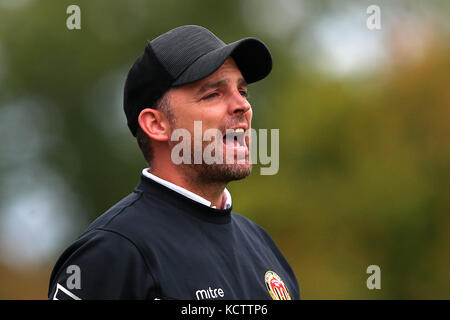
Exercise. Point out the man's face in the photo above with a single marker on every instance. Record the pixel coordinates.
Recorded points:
(219, 102)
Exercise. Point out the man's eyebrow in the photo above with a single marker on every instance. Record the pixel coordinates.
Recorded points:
(220, 83)
(242, 82)
(212, 85)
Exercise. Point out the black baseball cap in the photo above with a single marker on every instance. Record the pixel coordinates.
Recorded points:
(184, 55)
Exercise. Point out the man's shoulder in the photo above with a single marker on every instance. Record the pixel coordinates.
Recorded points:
(243, 220)
(129, 204)
(133, 215)
(251, 227)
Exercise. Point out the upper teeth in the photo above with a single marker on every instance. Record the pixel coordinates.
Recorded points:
(235, 135)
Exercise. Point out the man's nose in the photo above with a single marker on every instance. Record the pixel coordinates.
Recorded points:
(239, 104)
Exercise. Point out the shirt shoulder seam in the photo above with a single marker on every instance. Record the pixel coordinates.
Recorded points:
(121, 210)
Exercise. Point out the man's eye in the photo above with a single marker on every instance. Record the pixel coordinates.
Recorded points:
(244, 93)
(210, 96)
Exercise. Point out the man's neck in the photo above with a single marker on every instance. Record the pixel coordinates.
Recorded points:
(213, 192)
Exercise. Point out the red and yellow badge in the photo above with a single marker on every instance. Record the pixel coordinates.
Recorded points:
(276, 287)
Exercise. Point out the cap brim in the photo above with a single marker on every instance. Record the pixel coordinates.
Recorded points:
(250, 54)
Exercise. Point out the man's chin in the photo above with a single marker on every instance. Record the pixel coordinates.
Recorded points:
(237, 171)
(223, 172)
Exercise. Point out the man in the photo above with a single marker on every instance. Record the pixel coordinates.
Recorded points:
(175, 236)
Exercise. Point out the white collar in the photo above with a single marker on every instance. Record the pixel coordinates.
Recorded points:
(186, 192)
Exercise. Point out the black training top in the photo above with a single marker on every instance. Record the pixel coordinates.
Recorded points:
(158, 244)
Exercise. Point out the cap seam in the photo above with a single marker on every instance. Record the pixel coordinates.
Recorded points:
(179, 75)
(159, 62)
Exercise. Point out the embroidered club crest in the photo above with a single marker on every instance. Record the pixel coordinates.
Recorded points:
(276, 287)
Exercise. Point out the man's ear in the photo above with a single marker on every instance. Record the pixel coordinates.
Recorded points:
(155, 124)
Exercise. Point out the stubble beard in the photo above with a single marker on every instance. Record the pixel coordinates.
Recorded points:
(221, 173)
(214, 173)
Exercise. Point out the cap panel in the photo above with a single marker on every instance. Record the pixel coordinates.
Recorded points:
(204, 66)
(181, 46)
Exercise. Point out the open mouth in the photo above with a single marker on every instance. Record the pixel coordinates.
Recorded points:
(235, 138)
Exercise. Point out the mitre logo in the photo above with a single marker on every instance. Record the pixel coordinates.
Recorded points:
(276, 287)
(209, 293)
